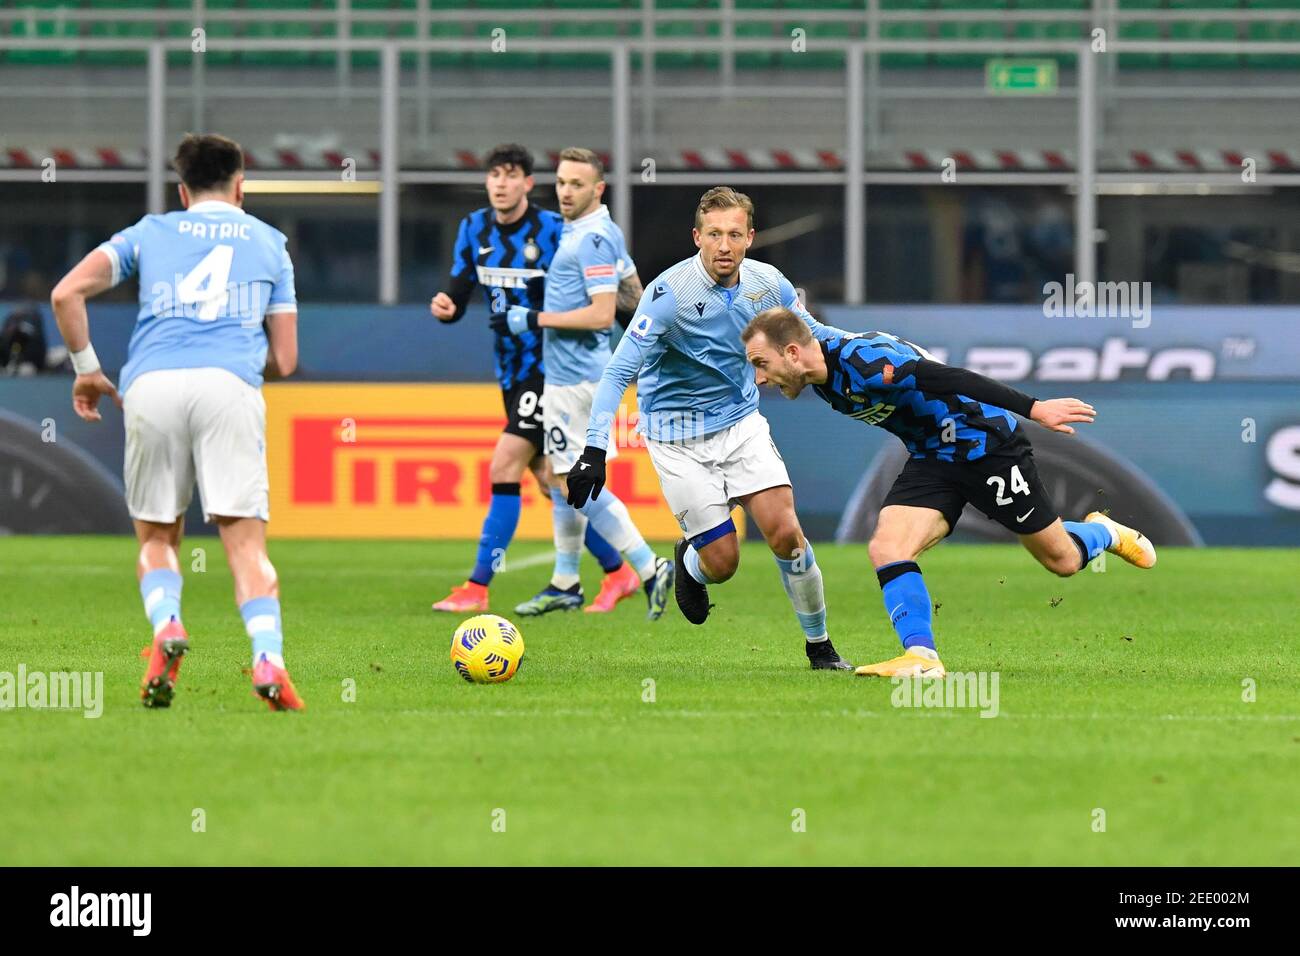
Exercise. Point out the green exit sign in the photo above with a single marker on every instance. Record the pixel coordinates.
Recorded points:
(1020, 76)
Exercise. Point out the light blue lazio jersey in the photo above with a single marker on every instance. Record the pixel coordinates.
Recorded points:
(208, 276)
(591, 258)
(685, 343)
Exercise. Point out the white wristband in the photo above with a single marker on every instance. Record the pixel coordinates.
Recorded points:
(86, 361)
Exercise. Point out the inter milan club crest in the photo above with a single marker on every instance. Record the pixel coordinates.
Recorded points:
(532, 252)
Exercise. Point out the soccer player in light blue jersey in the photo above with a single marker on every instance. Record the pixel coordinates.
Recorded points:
(210, 275)
(699, 412)
(591, 270)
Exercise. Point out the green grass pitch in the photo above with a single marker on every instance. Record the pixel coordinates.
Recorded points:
(1126, 696)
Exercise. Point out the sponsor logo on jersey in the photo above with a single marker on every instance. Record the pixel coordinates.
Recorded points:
(506, 278)
(874, 414)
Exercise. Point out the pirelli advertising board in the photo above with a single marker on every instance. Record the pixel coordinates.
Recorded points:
(359, 460)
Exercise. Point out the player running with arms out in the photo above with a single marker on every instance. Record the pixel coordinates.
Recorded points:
(506, 248)
(966, 447)
(209, 276)
(583, 285)
(699, 411)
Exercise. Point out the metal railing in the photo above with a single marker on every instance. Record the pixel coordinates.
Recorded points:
(854, 177)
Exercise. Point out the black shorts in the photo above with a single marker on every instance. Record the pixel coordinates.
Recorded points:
(1006, 487)
(523, 402)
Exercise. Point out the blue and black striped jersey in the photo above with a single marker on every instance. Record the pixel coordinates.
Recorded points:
(883, 380)
(503, 259)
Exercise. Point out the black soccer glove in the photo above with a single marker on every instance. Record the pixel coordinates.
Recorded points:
(587, 477)
(516, 320)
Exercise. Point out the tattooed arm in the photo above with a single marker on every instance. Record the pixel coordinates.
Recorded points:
(629, 294)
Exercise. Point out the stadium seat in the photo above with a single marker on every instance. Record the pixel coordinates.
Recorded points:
(904, 31)
(676, 59)
(447, 30)
(586, 30)
(1140, 30)
(1264, 31)
(686, 4)
(1051, 30)
(1207, 31)
(968, 30)
(45, 22)
(482, 55)
(815, 58)
(755, 59)
(823, 5)
(135, 31)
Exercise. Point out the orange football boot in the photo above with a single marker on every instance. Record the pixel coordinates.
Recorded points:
(616, 586)
(469, 598)
(272, 685)
(169, 646)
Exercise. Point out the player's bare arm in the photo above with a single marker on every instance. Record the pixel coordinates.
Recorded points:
(1059, 414)
(282, 345)
(91, 276)
(598, 315)
(629, 293)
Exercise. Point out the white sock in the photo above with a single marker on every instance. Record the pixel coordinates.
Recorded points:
(609, 517)
(276, 659)
(569, 528)
(802, 579)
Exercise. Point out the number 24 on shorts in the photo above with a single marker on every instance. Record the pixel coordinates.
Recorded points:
(1018, 486)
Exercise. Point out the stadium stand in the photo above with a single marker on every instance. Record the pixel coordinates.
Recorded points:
(1176, 20)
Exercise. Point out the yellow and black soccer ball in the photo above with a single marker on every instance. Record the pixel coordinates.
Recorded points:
(487, 649)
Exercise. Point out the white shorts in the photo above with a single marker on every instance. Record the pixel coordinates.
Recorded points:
(702, 478)
(195, 423)
(566, 410)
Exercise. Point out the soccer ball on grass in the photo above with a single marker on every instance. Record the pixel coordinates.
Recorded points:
(487, 649)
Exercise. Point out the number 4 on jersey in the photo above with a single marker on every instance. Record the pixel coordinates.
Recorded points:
(206, 283)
